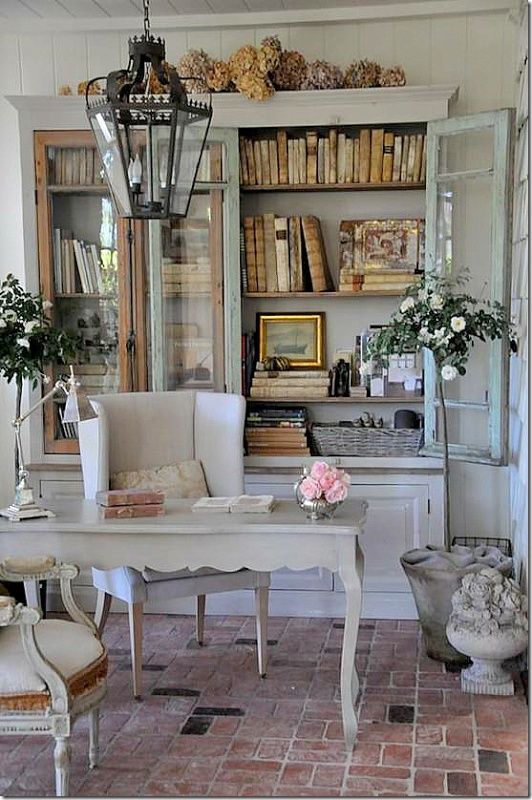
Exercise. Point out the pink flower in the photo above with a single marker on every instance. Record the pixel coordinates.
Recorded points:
(336, 493)
(319, 468)
(309, 488)
(327, 480)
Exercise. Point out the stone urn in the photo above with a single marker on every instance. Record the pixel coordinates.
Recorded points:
(488, 623)
(434, 576)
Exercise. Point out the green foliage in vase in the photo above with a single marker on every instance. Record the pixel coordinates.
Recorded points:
(28, 340)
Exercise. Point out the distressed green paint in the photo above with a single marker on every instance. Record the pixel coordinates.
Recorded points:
(501, 122)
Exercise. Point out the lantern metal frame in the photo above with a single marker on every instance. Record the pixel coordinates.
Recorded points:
(128, 105)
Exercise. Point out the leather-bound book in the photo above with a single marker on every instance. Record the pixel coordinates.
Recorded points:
(244, 175)
(333, 154)
(127, 512)
(259, 254)
(249, 246)
(327, 161)
(295, 254)
(321, 160)
(282, 254)
(340, 159)
(365, 155)
(129, 497)
(312, 157)
(356, 160)
(250, 158)
(387, 157)
(396, 165)
(404, 158)
(316, 256)
(349, 160)
(270, 257)
(282, 156)
(418, 153)
(423, 173)
(377, 147)
(411, 159)
(258, 162)
(274, 162)
(291, 171)
(265, 162)
(302, 160)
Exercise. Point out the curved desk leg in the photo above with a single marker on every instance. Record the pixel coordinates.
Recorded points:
(351, 572)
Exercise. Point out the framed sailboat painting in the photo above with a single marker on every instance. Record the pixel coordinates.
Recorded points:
(298, 337)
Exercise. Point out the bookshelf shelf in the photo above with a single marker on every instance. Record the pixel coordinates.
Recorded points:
(84, 295)
(290, 295)
(298, 400)
(78, 189)
(334, 187)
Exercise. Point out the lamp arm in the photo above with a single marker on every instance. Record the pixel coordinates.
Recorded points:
(58, 385)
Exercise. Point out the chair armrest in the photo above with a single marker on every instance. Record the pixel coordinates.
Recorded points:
(42, 568)
(26, 619)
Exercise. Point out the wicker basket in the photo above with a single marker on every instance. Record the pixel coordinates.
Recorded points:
(331, 439)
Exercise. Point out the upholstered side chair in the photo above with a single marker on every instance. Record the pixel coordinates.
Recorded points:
(145, 430)
(51, 670)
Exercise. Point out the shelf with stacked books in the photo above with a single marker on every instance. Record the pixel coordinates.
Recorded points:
(359, 400)
(336, 187)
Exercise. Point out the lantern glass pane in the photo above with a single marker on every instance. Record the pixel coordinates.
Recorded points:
(109, 145)
(191, 131)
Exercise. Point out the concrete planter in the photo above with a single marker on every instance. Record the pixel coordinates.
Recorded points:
(434, 575)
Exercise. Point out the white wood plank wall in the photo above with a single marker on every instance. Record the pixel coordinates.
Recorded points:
(474, 50)
(519, 372)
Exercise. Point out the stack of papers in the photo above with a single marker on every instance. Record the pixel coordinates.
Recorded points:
(241, 504)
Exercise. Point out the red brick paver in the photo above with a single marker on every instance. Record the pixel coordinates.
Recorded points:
(285, 738)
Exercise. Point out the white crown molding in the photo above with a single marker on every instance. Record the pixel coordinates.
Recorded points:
(335, 107)
(352, 13)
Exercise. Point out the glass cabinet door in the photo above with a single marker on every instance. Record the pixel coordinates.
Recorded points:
(190, 268)
(78, 263)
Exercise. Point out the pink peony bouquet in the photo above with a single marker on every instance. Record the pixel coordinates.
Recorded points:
(326, 482)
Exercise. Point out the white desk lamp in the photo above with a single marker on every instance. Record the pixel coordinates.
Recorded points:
(77, 409)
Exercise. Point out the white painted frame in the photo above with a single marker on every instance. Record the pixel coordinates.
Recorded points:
(501, 207)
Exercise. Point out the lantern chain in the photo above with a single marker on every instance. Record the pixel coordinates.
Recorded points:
(146, 6)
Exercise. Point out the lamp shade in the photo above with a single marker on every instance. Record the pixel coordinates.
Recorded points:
(78, 407)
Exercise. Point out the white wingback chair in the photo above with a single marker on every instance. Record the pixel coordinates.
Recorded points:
(143, 430)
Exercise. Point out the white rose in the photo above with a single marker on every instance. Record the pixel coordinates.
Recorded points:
(29, 327)
(436, 302)
(3, 324)
(422, 294)
(458, 324)
(46, 305)
(424, 334)
(407, 303)
(23, 343)
(10, 315)
(449, 372)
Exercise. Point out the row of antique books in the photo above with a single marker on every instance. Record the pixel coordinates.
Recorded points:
(393, 281)
(77, 266)
(374, 156)
(75, 166)
(285, 254)
(186, 278)
(289, 383)
(272, 431)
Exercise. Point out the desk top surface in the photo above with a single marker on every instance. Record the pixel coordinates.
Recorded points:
(77, 516)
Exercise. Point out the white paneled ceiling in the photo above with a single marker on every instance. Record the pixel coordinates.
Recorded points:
(55, 9)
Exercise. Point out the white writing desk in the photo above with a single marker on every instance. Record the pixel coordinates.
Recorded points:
(183, 538)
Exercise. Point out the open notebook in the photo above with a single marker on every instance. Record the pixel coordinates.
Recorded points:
(241, 504)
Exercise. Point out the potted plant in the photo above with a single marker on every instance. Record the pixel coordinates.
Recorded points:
(28, 340)
(440, 316)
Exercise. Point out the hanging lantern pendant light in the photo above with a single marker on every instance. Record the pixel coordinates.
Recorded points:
(150, 143)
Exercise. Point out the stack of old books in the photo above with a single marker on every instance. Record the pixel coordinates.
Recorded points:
(120, 503)
(187, 278)
(274, 431)
(290, 383)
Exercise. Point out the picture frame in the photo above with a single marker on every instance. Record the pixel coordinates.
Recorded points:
(382, 245)
(298, 336)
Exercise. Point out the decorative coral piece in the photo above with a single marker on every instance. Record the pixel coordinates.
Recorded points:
(291, 72)
(394, 76)
(94, 88)
(193, 69)
(64, 89)
(363, 74)
(322, 75)
(270, 53)
(219, 77)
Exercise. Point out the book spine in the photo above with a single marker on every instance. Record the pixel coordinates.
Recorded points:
(326, 161)
(58, 276)
(349, 144)
(288, 391)
(321, 160)
(411, 159)
(250, 159)
(387, 158)
(258, 163)
(82, 166)
(340, 160)
(259, 254)
(302, 160)
(333, 155)
(396, 165)
(269, 252)
(312, 157)
(276, 383)
(315, 253)
(417, 157)
(244, 174)
(274, 162)
(404, 158)
(295, 149)
(365, 155)
(423, 172)
(282, 254)
(265, 162)
(249, 247)
(291, 174)
(81, 267)
(282, 153)
(377, 146)
(295, 254)
(356, 160)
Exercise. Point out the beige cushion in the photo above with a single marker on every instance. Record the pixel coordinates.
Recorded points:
(69, 646)
(185, 479)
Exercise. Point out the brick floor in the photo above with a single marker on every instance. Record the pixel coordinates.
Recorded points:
(418, 735)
